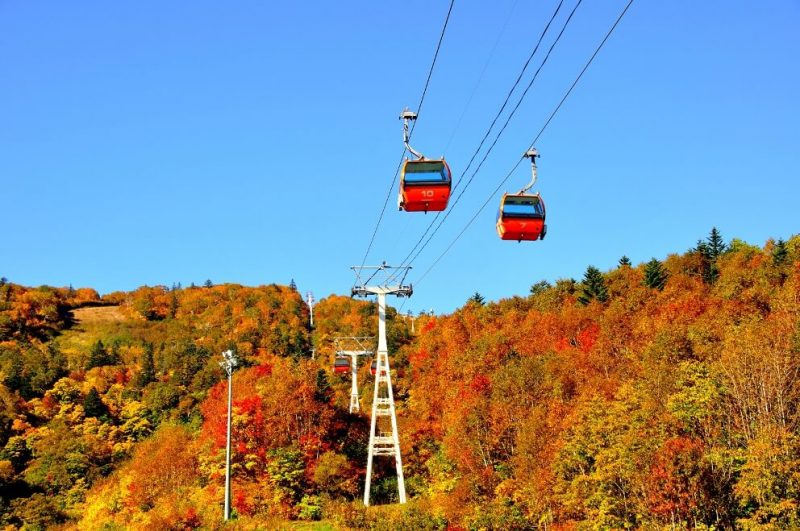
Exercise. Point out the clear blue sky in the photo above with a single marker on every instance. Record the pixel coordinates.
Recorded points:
(254, 142)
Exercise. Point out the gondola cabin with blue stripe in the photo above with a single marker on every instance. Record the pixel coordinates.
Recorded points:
(521, 217)
(424, 185)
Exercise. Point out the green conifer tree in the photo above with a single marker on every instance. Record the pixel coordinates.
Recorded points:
(594, 286)
(93, 406)
(716, 245)
(710, 250)
(477, 298)
(655, 276)
(540, 287)
(173, 305)
(15, 377)
(624, 261)
(98, 356)
(147, 373)
(114, 357)
(780, 253)
(322, 387)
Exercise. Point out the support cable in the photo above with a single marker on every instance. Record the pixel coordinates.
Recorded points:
(419, 108)
(536, 139)
(480, 77)
(497, 137)
(486, 135)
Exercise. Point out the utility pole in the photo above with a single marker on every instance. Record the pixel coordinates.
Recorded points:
(228, 363)
(357, 348)
(381, 440)
(310, 302)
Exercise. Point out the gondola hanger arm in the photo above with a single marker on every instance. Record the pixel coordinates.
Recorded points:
(532, 154)
(407, 116)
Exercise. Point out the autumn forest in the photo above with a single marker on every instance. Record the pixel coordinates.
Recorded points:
(659, 395)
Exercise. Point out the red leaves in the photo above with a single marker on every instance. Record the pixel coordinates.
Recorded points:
(190, 520)
(240, 503)
(480, 383)
(262, 371)
(562, 344)
(675, 480)
(587, 337)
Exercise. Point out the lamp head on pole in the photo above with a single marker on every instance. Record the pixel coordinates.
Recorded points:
(229, 361)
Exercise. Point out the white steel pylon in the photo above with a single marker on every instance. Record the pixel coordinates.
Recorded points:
(358, 348)
(382, 441)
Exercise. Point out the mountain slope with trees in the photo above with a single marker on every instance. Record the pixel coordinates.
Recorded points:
(654, 395)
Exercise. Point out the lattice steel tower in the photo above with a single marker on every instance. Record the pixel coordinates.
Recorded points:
(353, 347)
(383, 435)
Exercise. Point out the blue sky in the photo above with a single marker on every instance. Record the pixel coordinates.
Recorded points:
(254, 142)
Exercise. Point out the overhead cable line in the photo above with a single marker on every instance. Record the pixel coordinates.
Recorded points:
(497, 137)
(510, 93)
(480, 77)
(419, 108)
(406, 260)
(536, 139)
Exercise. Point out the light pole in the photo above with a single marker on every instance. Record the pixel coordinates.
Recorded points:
(310, 301)
(411, 316)
(228, 363)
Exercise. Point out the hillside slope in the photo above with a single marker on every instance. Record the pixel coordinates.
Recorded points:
(663, 394)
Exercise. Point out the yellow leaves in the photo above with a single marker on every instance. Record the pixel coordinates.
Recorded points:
(19, 425)
(6, 472)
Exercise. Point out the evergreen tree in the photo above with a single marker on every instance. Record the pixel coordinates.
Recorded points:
(710, 250)
(594, 286)
(322, 387)
(147, 373)
(477, 298)
(114, 357)
(16, 379)
(780, 253)
(716, 245)
(624, 261)
(209, 284)
(540, 287)
(173, 305)
(93, 406)
(98, 357)
(655, 276)
(292, 285)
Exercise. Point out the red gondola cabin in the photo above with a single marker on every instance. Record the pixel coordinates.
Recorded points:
(373, 368)
(424, 186)
(341, 365)
(521, 217)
